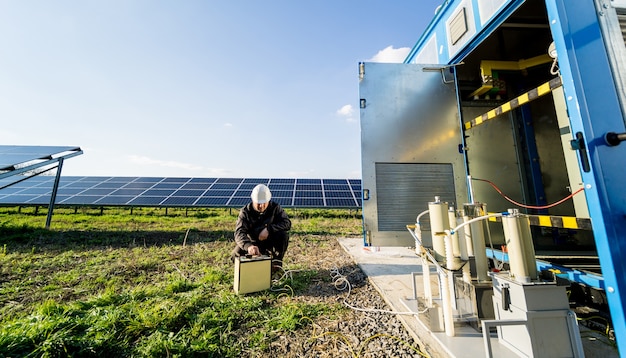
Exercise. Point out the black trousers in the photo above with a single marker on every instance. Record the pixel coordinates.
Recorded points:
(275, 247)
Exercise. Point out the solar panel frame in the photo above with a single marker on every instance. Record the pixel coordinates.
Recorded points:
(14, 156)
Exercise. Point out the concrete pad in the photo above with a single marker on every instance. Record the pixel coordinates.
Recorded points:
(389, 269)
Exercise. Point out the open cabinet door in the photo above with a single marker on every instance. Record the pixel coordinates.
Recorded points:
(591, 58)
(410, 148)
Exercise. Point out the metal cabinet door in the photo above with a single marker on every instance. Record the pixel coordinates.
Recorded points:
(587, 62)
(410, 137)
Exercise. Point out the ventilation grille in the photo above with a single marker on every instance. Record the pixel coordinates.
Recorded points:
(404, 190)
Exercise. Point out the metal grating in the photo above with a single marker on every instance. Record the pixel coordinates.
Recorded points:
(405, 189)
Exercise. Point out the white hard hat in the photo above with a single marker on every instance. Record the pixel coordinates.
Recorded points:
(261, 194)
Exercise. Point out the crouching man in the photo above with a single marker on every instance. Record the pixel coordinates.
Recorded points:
(262, 228)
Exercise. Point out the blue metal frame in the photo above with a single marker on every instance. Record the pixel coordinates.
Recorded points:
(594, 110)
(538, 193)
(587, 278)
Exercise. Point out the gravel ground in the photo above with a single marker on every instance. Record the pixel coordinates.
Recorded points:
(355, 333)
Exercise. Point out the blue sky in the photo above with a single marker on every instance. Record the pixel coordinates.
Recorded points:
(230, 88)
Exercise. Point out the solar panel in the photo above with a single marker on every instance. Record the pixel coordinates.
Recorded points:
(199, 186)
(36, 191)
(308, 202)
(114, 200)
(286, 202)
(183, 192)
(239, 201)
(213, 201)
(229, 180)
(146, 201)
(282, 193)
(343, 203)
(149, 180)
(179, 201)
(300, 186)
(255, 181)
(132, 192)
(176, 180)
(97, 191)
(309, 181)
(225, 186)
(334, 181)
(203, 180)
(80, 200)
(12, 156)
(159, 192)
(213, 192)
(336, 186)
(166, 186)
(282, 181)
(109, 184)
(308, 193)
(139, 185)
(339, 194)
(273, 187)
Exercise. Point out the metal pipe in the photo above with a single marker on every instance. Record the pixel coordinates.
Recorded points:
(428, 293)
(418, 232)
(447, 283)
(53, 197)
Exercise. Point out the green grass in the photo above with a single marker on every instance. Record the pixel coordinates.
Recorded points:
(145, 284)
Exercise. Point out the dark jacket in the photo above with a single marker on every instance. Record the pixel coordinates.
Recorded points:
(250, 223)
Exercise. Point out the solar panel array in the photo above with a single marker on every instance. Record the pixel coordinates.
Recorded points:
(181, 192)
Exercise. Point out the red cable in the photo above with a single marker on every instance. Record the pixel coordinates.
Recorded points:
(530, 206)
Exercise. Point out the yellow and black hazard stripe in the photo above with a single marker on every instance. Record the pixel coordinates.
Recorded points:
(561, 222)
(534, 93)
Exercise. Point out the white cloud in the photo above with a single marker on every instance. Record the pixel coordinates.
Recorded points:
(228, 125)
(390, 54)
(141, 160)
(347, 112)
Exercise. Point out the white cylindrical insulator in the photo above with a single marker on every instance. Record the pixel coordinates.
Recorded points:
(514, 247)
(438, 212)
(456, 250)
(448, 314)
(418, 241)
(467, 274)
(480, 250)
(529, 247)
(520, 247)
(479, 232)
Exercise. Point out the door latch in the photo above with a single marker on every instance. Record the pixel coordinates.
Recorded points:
(579, 145)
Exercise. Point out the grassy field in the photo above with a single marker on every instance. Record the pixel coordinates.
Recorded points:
(145, 284)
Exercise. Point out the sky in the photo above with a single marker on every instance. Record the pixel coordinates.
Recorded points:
(191, 88)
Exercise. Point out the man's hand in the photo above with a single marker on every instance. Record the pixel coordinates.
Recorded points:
(254, 251)
(264, 234)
